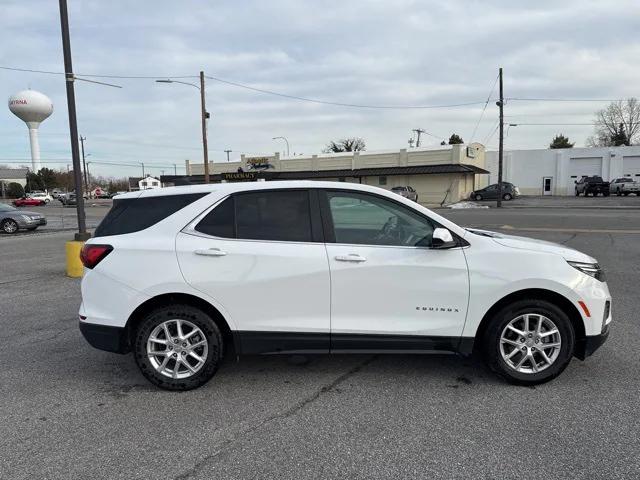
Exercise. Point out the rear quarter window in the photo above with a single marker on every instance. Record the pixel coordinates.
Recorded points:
(135, 214)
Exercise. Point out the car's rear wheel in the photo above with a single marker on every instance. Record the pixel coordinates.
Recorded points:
(477, 197)
(529, 342)
(178, 347)
(9, 226)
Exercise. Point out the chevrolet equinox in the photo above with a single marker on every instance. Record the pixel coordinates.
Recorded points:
(180, 275)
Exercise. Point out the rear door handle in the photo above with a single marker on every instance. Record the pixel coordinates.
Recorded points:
(352, 257)
(211, 252)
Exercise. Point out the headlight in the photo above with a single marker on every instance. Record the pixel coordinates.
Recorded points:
(26, 218)
(591, 269)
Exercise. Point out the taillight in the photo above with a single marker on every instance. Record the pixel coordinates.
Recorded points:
(92, 254)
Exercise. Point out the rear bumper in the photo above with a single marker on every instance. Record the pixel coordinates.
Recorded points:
(105, 337)
(587, 346)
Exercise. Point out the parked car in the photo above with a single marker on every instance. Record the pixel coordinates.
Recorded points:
(509, 192)
(12, 219)
(180, 275)
(406, 192)
(28, 202)
(592, 186)
(68, 199)
(55, 193)
(45, 197)
(625, 186)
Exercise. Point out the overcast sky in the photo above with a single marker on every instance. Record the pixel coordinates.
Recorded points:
(359, 52)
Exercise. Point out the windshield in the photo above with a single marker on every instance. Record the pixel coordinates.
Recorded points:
(6, 208)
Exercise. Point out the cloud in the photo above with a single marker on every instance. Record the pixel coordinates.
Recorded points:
(361, 51)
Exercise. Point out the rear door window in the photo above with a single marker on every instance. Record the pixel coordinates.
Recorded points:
(274, 215)
(282, 215)
(135, 214)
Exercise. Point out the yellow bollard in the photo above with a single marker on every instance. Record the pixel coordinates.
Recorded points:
(74, 265)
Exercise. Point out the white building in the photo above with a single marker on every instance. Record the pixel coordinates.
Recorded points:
(438, 174)
(143, 183)
(14, 175)
(554, 171)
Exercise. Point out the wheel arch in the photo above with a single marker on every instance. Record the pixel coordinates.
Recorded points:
(535, 294)
(166, 299)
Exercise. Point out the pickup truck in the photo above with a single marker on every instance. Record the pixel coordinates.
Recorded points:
(625, 186)
(592, 185)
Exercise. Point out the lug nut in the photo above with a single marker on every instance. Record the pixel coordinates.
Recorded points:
(522, 339)
(530, 335)
(175, 341)
(170, 347)
(175, 355)
(537, 340)
(184, 344)
(184, 353)
(524, 348)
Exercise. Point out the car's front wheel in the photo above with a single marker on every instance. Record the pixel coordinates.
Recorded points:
(9, 226)
(507, 196)
(529, 342)
(178, 347)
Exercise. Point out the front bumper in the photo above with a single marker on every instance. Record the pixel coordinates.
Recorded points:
(588, 345)
(106, 337)
(34, 222)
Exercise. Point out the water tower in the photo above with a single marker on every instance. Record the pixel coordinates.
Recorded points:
(32, 108)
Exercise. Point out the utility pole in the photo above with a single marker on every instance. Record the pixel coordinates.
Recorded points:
(418, 131)
(175, 169)
(205, 116)
(228, 152)
(500, 104)
(82, 234)
(84, 164)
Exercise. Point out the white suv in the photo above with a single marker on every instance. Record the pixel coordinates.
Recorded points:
(180, 275)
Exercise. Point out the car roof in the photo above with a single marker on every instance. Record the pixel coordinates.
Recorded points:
(227, 188)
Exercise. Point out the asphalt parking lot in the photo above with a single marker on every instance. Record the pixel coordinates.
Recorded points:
(69, 411)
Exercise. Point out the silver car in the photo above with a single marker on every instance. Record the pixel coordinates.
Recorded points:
(406, 192)
(12, 219)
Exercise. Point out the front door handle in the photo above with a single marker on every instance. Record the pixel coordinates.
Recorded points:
(352, 257)
(211, 252)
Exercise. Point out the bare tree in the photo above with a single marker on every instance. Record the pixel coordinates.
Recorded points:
(623, 115)
(353, 144)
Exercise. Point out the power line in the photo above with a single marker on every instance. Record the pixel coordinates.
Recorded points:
(492, 133)
(339, 104)
(254, 89)
(484, 108)
(123, 77)
(517, 99)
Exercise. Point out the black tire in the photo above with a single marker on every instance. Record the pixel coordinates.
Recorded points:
(477, 197)
(605, 194)
(507, 197)
(618, 192)
(203, 322)
(491, 341)
(627, 193)
(10, 226)
(577, 193)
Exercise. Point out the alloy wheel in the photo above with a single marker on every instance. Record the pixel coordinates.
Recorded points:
(9, 226)
(530, 343)
(177, 348)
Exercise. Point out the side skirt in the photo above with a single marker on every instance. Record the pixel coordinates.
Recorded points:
(253, 342)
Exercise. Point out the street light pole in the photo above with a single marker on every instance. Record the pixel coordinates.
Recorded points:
(501, 143)
(84, 164)
(204, 116)
(82, 234)
(142, 163)
(285, 140)
(228, 152)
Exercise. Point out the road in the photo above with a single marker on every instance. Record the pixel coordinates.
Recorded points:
(69, 411)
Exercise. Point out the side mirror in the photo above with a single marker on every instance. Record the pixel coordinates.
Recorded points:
(442, 239)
